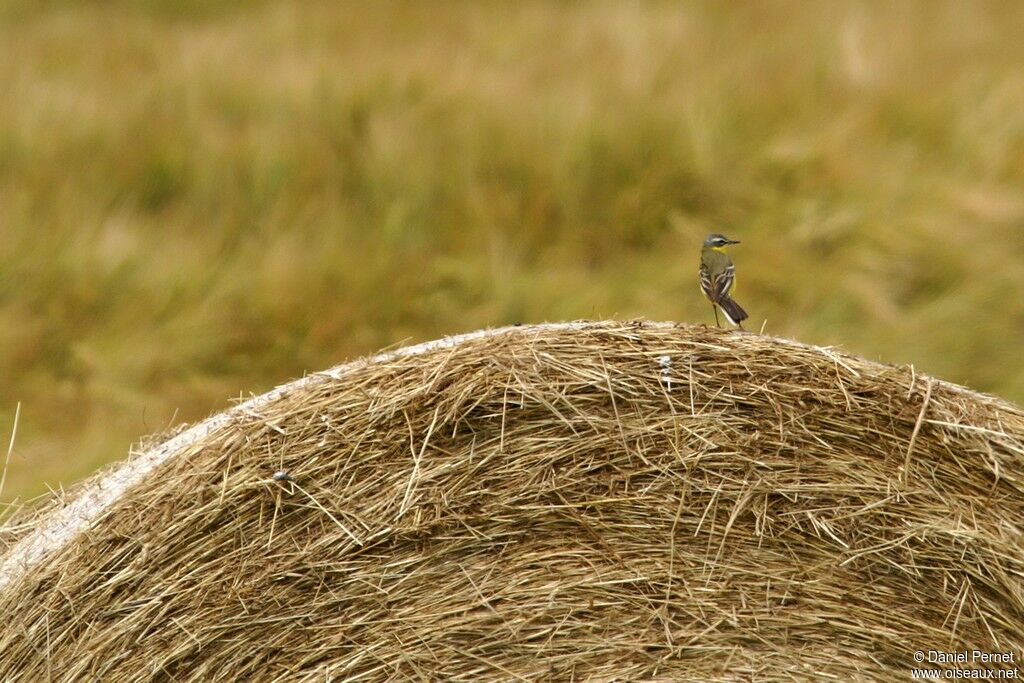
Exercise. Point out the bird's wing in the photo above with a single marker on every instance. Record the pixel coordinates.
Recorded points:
(705, 282)
(717, 285)
(722, 282)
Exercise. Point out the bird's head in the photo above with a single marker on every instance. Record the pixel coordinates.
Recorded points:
(716, 241)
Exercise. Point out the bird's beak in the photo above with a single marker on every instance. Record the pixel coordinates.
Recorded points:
(734, 241)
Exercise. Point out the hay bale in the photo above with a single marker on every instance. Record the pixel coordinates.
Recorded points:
(599, 501)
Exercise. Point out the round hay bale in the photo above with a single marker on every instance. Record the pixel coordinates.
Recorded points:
(593, 501)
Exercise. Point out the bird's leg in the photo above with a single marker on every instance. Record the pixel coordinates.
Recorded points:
(715, 309)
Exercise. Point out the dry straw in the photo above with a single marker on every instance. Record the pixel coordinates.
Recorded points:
(593, 501)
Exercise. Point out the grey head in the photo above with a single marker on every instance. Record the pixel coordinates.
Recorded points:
(717, 240)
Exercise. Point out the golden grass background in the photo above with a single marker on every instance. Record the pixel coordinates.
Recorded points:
(203, 199)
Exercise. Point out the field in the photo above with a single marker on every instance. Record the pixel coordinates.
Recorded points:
(203, 200)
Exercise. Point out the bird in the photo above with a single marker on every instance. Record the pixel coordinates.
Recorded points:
(717, 277)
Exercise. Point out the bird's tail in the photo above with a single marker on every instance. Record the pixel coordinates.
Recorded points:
(733, 311)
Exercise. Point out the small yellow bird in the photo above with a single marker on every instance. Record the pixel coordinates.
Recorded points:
(717, 277)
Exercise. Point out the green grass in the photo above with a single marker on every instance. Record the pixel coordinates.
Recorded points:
(203, 200)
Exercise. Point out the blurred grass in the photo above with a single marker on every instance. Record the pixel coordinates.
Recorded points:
(204, 199)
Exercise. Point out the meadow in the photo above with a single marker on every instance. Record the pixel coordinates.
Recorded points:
(199, 201)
